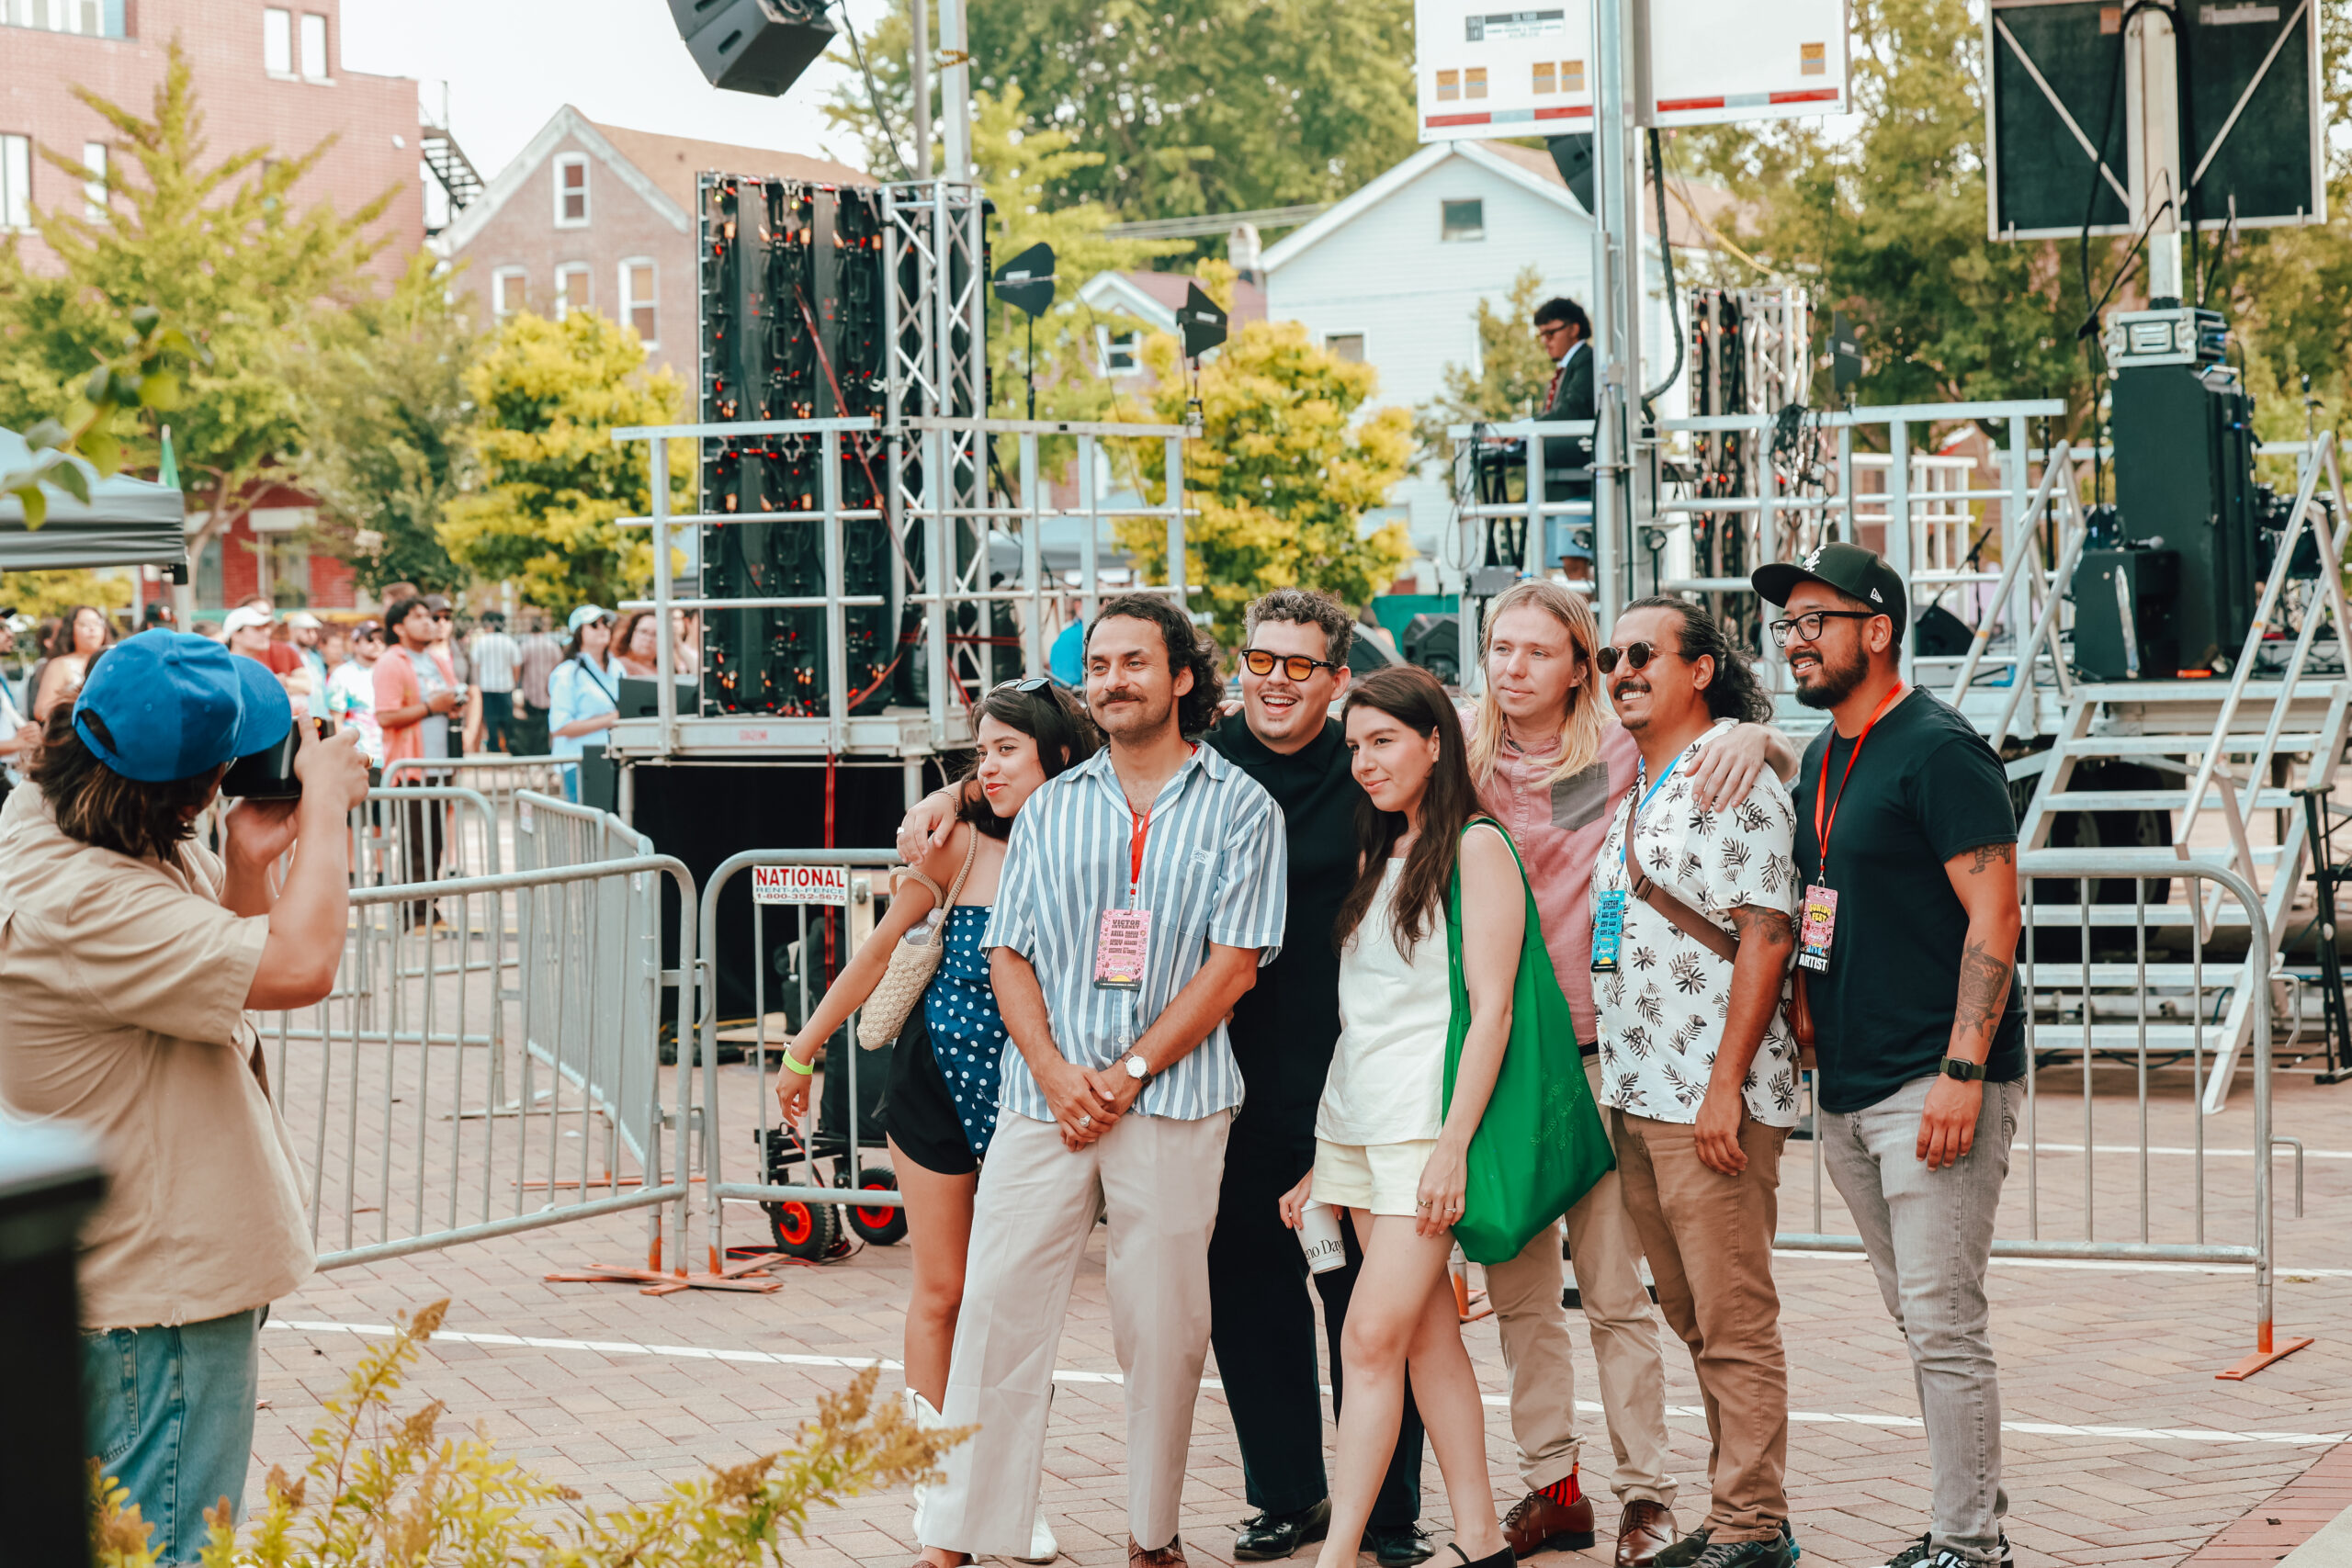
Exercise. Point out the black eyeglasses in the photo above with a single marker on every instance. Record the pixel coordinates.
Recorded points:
(1807, 626)
(1634, 654)
(1297, 666)
(1033, 683)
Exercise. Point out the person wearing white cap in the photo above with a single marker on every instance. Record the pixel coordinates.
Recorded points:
(308, 631)
(583, 695)
(246, 631)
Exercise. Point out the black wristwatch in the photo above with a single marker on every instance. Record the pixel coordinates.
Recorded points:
(1961, 1068)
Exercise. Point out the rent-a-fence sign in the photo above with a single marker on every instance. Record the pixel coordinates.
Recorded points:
(801, 884)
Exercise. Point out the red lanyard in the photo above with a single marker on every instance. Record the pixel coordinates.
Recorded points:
(1139, 831)
(1821, 826)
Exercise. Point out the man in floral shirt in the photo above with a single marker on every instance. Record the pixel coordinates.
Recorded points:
(1691, 940)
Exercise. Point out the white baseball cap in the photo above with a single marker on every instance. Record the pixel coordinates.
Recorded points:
(241, 617)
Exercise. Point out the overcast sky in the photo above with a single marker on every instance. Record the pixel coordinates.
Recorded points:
(510, 64)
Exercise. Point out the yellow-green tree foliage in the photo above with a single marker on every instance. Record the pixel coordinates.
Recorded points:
(1512, 374)
(1289, 467)
(547, 397)
(221, 249)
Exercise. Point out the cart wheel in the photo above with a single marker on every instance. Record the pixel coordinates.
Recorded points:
(804, 1230)
(881, 1226)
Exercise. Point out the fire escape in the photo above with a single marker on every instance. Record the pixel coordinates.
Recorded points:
(450, 165)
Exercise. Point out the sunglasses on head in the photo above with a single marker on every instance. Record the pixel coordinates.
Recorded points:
(1297, 666)
(1634, 654)
(1033, 683)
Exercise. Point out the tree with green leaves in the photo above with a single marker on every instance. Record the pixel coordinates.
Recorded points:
(379, 396)
(223, 252)
(551, 480)
(1291, 466)
(1196, 105)
(1512, 376)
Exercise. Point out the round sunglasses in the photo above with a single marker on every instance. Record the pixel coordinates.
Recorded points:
(1635, 655)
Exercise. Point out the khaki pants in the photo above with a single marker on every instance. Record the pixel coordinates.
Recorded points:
(1157, 1180)
(1709, 1239)
(1525, 1294)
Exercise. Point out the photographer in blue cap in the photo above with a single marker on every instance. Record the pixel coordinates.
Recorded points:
(130, 955)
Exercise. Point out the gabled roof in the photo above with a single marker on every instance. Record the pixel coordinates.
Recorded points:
(673, 162)
(1154, 297)
(660, 169)
(1528, 167)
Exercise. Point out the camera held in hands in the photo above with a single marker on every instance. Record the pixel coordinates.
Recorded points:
(268, 773)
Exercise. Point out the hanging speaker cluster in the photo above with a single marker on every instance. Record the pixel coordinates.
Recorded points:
(753, 46)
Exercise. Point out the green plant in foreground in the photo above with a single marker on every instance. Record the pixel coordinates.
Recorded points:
(144, 374)
(386, 1492)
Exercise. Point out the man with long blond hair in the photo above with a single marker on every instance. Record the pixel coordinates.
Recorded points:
(1549, 759)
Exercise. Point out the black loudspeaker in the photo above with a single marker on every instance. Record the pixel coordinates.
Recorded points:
(1939, 634)
(1434, 642)
(753, 46)
(2184, 481)
(2124, 625)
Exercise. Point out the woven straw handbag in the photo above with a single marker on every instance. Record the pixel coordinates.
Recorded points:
(913, 961)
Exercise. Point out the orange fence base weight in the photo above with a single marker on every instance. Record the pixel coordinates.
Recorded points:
(2262, 1357)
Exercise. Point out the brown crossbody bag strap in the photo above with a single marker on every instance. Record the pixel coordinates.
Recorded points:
(1695, 925)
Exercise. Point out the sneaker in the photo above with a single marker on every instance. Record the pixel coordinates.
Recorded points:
(1685, 1554)
(1777, 1552)
(1924, 1554)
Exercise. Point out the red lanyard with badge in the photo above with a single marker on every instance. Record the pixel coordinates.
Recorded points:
(1124, 935)
(1817, 926)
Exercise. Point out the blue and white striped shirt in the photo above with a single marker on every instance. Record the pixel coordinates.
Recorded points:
(1214, 870)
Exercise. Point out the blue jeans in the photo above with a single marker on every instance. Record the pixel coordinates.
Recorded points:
(169, 1413)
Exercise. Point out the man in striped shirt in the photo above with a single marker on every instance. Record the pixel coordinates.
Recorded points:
(1141, 891)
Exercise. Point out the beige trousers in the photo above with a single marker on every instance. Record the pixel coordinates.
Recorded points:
(1708, 1238)
(1157, 1180)
(1626, 1349)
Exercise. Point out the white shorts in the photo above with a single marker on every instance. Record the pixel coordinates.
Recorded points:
(1382, 1179)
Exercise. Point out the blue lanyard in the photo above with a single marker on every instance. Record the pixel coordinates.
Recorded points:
(1634, 823)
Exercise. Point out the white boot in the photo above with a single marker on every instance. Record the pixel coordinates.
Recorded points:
(1043, 1547)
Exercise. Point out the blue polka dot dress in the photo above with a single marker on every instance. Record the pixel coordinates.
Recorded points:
(968, 1036)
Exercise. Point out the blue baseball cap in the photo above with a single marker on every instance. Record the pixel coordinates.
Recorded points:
(175, 705)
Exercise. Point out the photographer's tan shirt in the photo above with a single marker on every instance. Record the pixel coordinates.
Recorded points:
(122, 995)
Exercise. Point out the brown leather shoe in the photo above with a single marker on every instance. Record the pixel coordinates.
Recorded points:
(1536, 1522)
(1644, 1530)
(1169, 1556)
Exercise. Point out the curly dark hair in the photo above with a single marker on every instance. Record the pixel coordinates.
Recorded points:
(1734, 691)
(1051, 716)
(1306, 607)
(107, 811)
(1187, 649)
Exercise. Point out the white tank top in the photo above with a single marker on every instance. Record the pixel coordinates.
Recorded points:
(1388, 1069)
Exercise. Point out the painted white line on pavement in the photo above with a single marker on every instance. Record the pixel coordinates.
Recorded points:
(2119, 1266)
(1684, 1412)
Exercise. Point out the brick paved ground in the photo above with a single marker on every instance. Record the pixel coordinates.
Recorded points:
(2129, 1352)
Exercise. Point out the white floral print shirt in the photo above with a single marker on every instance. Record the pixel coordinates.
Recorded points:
(1661, 1014)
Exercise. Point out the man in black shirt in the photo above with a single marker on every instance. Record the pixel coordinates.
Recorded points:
(1907, 936)
(1293, 665)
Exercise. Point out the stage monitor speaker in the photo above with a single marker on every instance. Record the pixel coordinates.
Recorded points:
(753, 46)
(2124, 615)
(1434, 642)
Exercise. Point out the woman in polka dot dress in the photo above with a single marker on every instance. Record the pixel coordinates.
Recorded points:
(941, 1105)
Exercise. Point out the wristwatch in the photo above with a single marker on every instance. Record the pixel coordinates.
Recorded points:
(1965, 1070)
(1134, 1062)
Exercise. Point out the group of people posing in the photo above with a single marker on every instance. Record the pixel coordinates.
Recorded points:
(1210, 971)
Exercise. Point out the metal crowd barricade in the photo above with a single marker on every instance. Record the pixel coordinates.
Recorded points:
(716, 1190)
(393, 1084)
(2172, 988)
(496, 777)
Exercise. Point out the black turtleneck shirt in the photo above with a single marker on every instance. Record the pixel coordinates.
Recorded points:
(1285, 1027)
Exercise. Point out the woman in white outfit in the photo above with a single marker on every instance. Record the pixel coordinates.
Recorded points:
(1387, 1146)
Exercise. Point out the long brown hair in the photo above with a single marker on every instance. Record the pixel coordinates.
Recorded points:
(101, 807)
(1411, 695)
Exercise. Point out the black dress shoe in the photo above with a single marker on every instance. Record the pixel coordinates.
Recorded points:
(1270, 1536)
(1397, 1546)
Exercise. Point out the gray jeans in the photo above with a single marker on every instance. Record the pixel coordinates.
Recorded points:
(1929, 1234)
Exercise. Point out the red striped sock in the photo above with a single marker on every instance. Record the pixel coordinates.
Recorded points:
(1565, 1490)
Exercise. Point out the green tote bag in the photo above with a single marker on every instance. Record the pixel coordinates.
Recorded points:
(1540, 1146)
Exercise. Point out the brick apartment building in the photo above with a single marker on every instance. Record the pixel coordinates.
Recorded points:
(265, 73)
(599, 218)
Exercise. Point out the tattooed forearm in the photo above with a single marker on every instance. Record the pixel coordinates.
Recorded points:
(1984, 991)
(1768, 926)
(1984, 855)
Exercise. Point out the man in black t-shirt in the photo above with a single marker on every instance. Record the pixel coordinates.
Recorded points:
(1907, 935)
